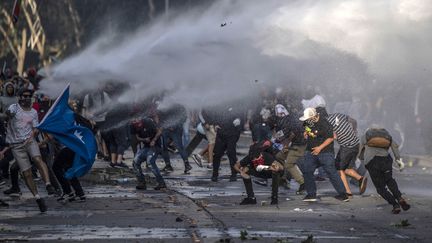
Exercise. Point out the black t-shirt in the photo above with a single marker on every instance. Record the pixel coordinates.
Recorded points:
(146, 128)
(322, 130)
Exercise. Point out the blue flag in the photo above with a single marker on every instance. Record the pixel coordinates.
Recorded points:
(60, 122)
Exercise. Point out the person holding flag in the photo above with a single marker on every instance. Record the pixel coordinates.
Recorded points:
(78, 143)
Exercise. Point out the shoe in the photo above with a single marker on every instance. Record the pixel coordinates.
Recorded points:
(160, 187)
(233, 178)
(362, 184)
(168, 168)
(112, 165)
(65, 198)
(3, 204)
(319, 178)
(80, 199)
(396, 209)
(188, 167)
(13, 192)
(248, 201)
(41, 203)
(214, 178)
(310, 198)
(172, 149)
(261, 182)
(405, 206)
(197, 159)
(301, 189)
(51, 190)
(122, 165)
(342, 197)
(349, 195)
(274, 201)
(141, 186)
(210, 166)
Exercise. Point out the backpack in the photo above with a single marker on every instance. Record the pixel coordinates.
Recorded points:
(378, 138)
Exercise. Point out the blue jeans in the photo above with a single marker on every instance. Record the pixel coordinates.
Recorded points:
(176, 136)
(326, 160)
(151, 154)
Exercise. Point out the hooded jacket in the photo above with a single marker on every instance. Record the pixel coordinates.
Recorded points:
(6, 100)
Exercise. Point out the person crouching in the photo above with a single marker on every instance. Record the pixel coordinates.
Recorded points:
(260, 162)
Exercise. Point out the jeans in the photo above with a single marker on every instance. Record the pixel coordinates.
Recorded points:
(381, 172)
(326, 160)
(145, 153)
(176, 136)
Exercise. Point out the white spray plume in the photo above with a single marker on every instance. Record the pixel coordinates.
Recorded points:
(332, 42)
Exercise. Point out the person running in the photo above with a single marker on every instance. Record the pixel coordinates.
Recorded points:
(21, 138)
(374, 147)
(345, 129)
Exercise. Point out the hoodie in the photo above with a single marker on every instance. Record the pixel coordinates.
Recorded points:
(6, 100)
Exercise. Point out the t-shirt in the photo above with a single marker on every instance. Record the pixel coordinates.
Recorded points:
(322, 131)
(146, 128)
(346, 136)
(21, 125)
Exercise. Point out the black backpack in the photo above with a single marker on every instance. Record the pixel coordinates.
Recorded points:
(378, 138)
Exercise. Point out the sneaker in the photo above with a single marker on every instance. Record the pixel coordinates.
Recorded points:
(113, 165)
(160, 186)
(51, 190)
(342, 197)
(188, 167)
(405, 206)
(141, 186)
(41, 203)
(197, 159)
(233, 177)
(80, 199)
(396, 209)
(274, 201)
(319, 178)
(210, 166)
(172, 149)
(3, 204)
(13, 192)
(168, 168)
(214, 178)
(122, 165)
(65, 198)
(362, 184)
(301, 189)
(310, 198)
(248, 201)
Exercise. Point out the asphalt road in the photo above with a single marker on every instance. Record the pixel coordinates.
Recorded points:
(194, 209)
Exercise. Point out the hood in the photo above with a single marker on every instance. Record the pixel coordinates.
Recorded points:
(5, 88)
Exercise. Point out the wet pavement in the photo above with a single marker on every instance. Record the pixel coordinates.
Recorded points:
(194, 209)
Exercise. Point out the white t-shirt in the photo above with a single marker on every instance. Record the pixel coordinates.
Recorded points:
(21, 125)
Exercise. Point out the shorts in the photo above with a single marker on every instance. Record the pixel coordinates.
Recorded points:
(211, 134)
(346, 157)
(22, 151)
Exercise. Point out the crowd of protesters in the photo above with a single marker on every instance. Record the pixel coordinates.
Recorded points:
(293, 137)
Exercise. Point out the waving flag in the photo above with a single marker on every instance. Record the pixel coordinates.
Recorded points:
(60, 122)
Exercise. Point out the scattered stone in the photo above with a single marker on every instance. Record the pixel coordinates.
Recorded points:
(178, 219)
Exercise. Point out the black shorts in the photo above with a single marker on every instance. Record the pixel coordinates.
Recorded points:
(346, 157)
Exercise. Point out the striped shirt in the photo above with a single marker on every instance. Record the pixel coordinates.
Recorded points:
(345, 134)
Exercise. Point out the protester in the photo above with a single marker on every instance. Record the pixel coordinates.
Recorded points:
(344, 128)
(319, 152)
(374, 145)
(260, 162)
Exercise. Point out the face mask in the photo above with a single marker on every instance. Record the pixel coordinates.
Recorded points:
(26, 102)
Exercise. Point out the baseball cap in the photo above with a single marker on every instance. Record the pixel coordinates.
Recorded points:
(308, 113)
